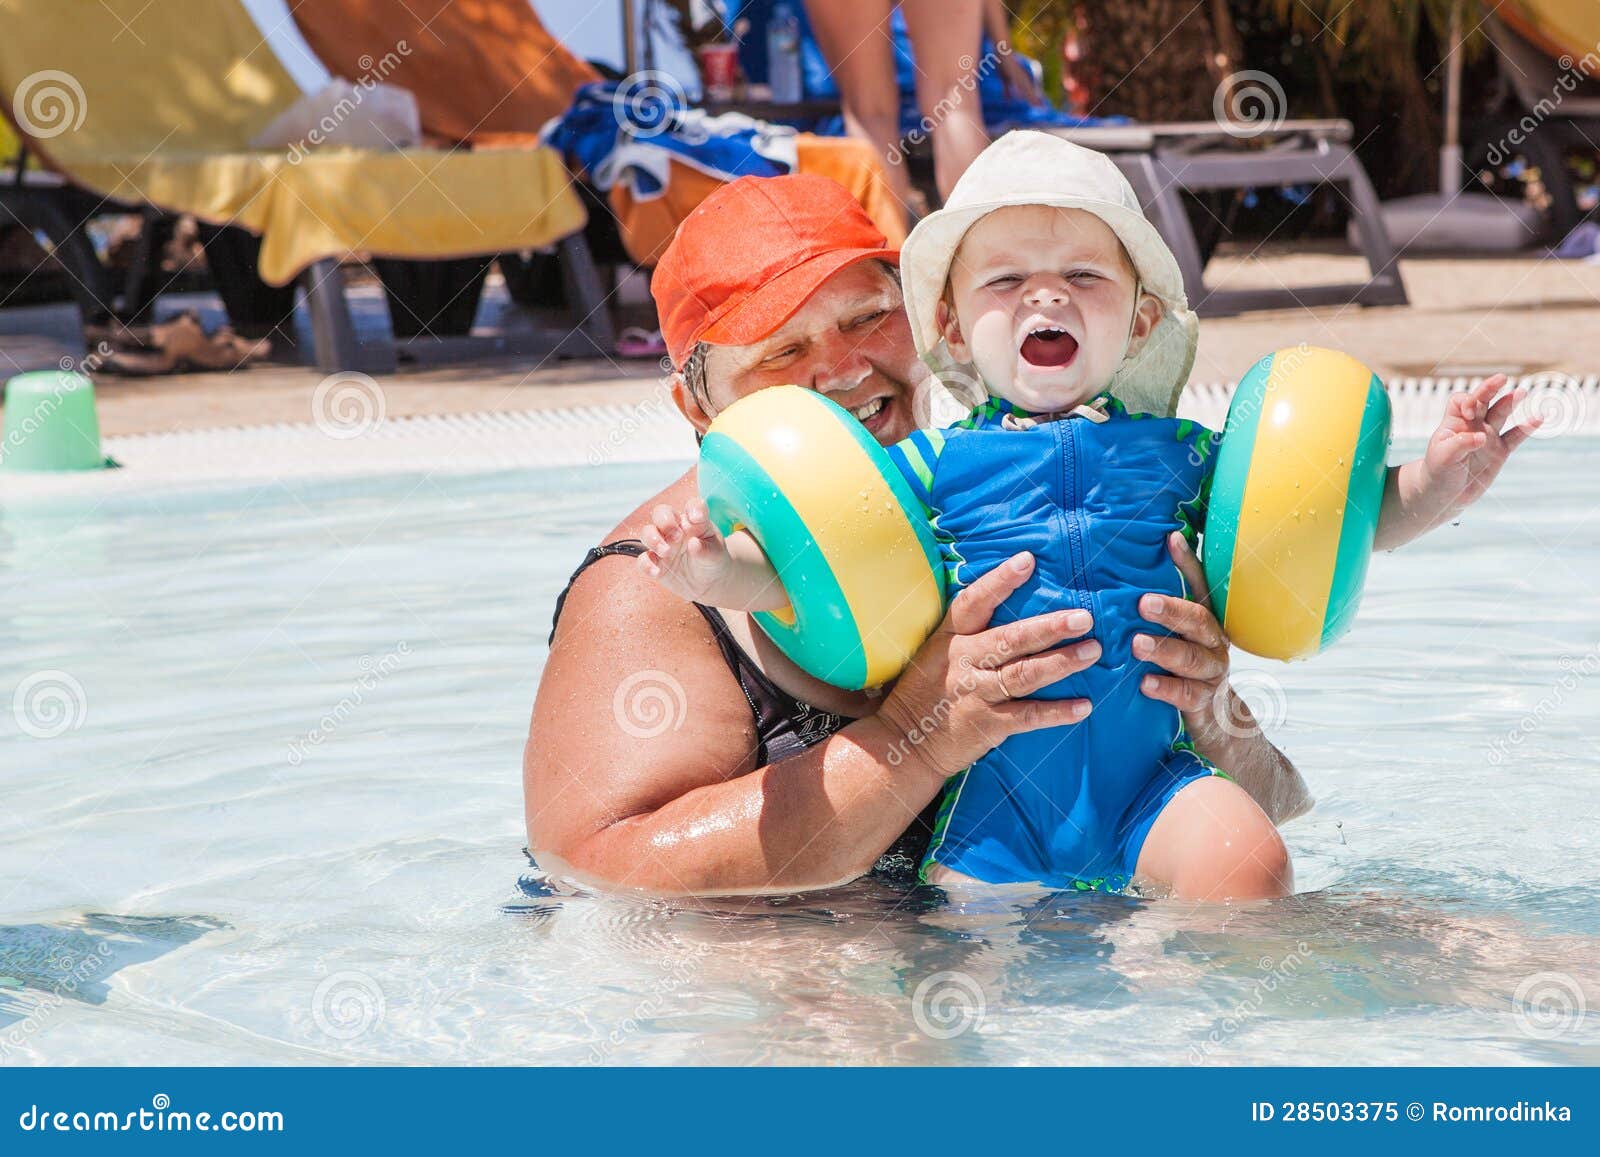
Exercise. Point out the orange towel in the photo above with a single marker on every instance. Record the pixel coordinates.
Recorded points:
(1565, 29)
(481, 70)
(647, 226)
(857, 166)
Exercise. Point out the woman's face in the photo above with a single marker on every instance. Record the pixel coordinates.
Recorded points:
(851, 341)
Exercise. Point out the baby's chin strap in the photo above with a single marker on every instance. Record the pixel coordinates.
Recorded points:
(1138, 294)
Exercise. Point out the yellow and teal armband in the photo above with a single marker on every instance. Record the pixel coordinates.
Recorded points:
(856, 556)
(1295, 500)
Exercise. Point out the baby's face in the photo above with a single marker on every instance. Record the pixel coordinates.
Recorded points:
(1044, 304)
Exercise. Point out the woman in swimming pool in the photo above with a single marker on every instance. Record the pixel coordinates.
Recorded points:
(766, 780)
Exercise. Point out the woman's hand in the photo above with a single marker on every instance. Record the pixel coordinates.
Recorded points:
(1218, 720)
(1195, 655)
(966, 690)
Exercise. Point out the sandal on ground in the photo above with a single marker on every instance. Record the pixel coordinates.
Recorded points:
(636, 342)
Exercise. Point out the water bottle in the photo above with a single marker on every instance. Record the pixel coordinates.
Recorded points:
(783, 54)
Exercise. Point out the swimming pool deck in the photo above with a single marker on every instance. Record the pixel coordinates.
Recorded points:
(1469, 316)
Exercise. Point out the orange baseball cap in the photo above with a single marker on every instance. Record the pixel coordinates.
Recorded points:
(752, 253)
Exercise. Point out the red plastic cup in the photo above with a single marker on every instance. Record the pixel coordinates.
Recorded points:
(719, 70)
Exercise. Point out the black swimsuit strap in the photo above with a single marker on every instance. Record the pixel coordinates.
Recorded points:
(784, 725)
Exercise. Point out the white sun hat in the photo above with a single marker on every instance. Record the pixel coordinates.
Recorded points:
(1025, 167)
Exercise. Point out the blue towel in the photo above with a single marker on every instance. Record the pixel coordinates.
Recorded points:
(630, 133)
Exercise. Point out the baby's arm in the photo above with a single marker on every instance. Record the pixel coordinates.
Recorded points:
(685, 553)
(1463, 458)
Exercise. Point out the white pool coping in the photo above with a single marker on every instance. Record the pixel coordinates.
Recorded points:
(359, 442)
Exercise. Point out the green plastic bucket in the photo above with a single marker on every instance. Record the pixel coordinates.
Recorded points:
(51, 423)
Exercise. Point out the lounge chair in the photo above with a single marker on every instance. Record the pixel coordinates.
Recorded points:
(44, 203)
(1162, 161)
(47, 205)
(159, 104)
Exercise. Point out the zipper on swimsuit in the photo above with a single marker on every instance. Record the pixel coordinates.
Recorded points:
(1067, 453)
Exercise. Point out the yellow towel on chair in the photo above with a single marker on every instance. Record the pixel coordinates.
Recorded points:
(157, 103)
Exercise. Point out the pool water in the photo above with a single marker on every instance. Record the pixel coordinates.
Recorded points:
(260, 763)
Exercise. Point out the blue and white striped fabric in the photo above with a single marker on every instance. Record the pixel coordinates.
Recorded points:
(630, 133)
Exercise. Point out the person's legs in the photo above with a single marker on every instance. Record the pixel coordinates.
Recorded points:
(946, 36)
(1213, 842)
(855, 40)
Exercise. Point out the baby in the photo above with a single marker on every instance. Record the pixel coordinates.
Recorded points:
(1043, 274)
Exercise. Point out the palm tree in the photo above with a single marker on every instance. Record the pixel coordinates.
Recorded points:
(1374, 46)
(1151, 60)
(1165, 59)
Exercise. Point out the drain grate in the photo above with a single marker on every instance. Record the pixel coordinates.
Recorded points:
(1568, 404)
(650, 431)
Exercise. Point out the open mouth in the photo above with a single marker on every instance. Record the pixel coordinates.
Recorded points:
(871, 410)
(1049, 347)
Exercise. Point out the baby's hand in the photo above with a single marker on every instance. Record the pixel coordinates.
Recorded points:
(684, 552)
(1463, 458)
(1466, 452)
